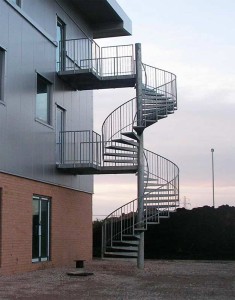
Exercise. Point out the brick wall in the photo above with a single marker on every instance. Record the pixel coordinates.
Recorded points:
(71, 224)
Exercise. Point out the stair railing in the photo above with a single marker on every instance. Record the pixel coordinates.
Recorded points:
(79, 147)
(156, 78)
(86, 54)
(123, 220)
(163, 84)
(120, 120)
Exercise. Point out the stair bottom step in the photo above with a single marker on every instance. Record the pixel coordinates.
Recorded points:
(129, 259)
(121, 254)
(124, 248)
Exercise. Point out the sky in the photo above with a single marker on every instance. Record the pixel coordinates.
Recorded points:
(195, 39)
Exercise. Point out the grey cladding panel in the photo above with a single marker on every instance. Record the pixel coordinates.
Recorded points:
(28, 148)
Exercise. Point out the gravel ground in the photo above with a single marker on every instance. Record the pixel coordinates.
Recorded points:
(122, 280)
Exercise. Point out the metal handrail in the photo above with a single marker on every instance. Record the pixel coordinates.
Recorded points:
(118, 120)
(85, 53)
(80, 147)
(124, 215)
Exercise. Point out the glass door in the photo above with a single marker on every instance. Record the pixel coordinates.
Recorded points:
(60, 128)
(60, 51)
(41, 229)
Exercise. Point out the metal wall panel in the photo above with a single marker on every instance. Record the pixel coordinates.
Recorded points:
(27, 147)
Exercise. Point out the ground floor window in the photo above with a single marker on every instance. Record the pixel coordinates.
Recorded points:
(41, 229)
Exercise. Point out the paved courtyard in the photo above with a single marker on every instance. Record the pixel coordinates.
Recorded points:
(122, 280)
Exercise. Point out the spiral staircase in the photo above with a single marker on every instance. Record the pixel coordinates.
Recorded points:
(121, 229)
(120, 148)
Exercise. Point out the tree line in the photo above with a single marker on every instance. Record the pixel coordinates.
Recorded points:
(200, 233)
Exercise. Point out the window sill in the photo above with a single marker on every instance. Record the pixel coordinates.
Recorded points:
(43, 123)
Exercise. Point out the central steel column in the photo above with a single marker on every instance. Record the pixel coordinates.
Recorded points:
(140, 226)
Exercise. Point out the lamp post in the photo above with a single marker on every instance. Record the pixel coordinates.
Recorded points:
(213, 177)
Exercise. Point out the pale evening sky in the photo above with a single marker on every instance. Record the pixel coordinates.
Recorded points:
(196, 41)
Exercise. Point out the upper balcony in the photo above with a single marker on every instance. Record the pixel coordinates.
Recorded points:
(86, 66)
(106, 18)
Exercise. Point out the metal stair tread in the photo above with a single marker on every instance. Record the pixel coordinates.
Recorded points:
(158, 100)
(131, 135)
(132, 254)
(126, 142)
(139, 129)
(121, 154)
(121, 161)
(158, 190)
(159, 195)
(153, 222)
(128, 248)
(153, 179)
(132, 242)
(161, 201)
(129, 149)
(159, 206)
(131, 235)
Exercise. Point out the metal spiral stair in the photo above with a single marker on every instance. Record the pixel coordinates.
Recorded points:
(121, 229)
(86, 66)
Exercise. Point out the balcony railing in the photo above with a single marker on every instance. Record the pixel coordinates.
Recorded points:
(85, 54)
(80, 148)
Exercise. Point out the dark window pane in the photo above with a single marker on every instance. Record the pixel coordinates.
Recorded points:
(35, 241)
(17, 2)
(44, 228)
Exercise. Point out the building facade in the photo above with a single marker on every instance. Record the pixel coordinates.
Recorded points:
(45, 213)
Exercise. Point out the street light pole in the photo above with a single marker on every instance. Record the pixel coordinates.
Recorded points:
(213, 177)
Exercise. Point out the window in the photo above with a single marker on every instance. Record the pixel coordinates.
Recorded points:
(41, 229)
(17, 2)
(2, 72)
(43, 103)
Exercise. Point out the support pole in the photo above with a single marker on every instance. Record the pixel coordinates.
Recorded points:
(213, 178)
(140, 226)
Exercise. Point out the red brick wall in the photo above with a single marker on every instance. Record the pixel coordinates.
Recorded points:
(71, 224)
